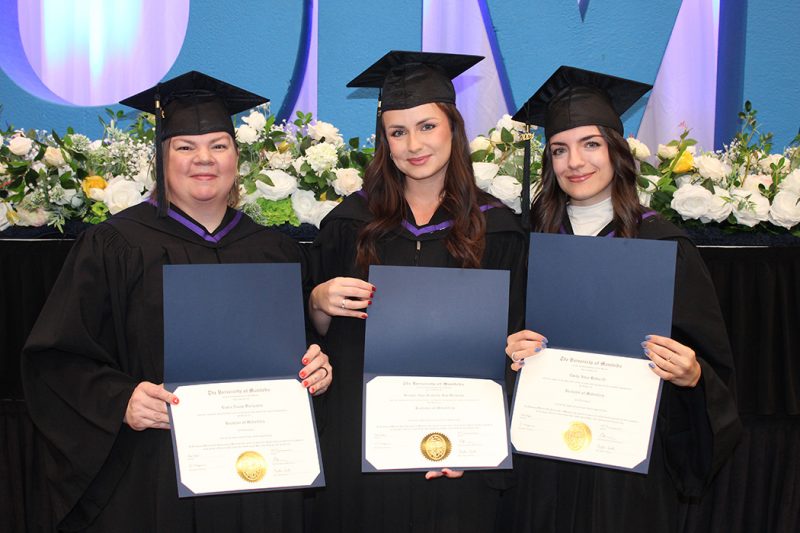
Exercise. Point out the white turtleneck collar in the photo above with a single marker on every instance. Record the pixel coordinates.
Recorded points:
(590, 219)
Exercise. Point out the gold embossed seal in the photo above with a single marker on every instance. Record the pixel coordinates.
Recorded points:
(578, 436)
(251, 466)
(435, 446)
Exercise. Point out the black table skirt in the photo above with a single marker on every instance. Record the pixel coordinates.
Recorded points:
(759, 292)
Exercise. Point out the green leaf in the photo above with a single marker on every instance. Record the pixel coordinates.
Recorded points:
(506, 136)
(479, 155)
(646, 168)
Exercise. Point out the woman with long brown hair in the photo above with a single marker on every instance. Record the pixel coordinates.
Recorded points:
(419, 207)
(589, 188)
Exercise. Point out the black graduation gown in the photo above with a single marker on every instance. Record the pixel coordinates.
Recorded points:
(99, 335)
(397, 502)
(696, 430)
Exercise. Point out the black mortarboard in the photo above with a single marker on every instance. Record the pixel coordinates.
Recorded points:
(409, 79)
(190, 104)
(574, 97)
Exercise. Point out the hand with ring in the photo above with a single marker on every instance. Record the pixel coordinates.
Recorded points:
(672, 361)
(523, 344)
(348, 297)
(317, 373)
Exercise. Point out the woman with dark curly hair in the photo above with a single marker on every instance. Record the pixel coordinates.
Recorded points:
(419, 206)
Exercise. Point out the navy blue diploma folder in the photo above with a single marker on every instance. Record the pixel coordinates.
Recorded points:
(601, 295)
(232, 322)
(443, 322)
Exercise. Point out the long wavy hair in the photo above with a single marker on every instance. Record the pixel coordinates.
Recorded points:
(384, 186)
(550, 204)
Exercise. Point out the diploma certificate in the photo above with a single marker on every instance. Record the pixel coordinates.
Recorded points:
(424, 423)
(586, 407)
(244, 435)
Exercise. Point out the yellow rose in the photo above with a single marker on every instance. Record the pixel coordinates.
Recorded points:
(684, 164)
(93, 182)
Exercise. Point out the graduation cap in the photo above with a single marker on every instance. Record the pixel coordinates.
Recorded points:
(409, 79)
(574, 97)
(190, 104)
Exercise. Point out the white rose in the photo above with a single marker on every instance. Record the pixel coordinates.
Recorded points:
(98, 195)
(35, 218)
(691, 201)
(347, 181)
(749, 207)
(297, 164)
(496, 137)
(283, 185)
(322, 210)
(20, 145)
(507, 189)
(752, 181)
(304, 204)
(712, 168)
(246, 134)
(511, 125)
(479, 143)
(790, 183)
(323, 130)
(785, 210)
(121, 193)
(54, 157)
(322, 156)
(484, 174)
(719, 207)
(683, 180)
(3, 169)
(5, 221)
(279, 160)
(639, 150)
(255, 120)
(768, 161)
(667, 152)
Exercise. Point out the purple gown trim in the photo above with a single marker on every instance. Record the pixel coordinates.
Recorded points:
(200, 230)
(427, 229)
(612, 234)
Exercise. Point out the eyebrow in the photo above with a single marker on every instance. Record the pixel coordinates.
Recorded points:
(428, 119)
(214, 140)
(582, 139)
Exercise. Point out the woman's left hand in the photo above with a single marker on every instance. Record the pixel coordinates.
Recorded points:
(672, 361)
(446, 472)
(317, 373)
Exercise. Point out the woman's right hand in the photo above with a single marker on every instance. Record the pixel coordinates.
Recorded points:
(524, 344)
(339, 297)
(147, 408)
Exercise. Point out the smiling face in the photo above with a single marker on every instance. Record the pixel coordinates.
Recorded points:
(420, 141)
(582, 165)
(200, 170)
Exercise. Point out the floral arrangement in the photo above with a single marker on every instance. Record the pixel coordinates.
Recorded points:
(290, 173)
(293, 173)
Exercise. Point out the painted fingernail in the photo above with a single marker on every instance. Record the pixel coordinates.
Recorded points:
(644, 345)
(545, 340)
(305, 383)
(364, 316)
(651, 365)
(305, 361)
(311, 390)
(647, 337)
(175, 400)
(646, 351)
(537, 349)
(374, 288)
(302, 373)
(521, 363)
(369, 302)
